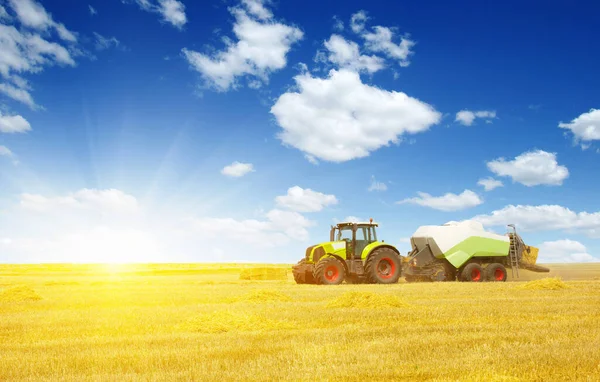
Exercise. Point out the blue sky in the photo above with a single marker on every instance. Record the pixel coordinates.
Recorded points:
(165, 130)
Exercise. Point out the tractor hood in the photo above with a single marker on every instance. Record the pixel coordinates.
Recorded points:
(315, 252)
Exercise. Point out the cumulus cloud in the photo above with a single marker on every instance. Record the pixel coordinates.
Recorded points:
(261, 48)
(237, 169)
(544, 218)
(172, 11)
(446, 202)
(531, 168)
(92, 10)
(466, 117)
(564, 251)
(381, 41)
(305, 200)
(346, 54)
(357, 21)
(340, 118)
(377, 186)
(13, 124)
(586, 127)
(489, 183)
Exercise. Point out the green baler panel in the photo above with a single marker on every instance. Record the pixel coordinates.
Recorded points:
(476, 246)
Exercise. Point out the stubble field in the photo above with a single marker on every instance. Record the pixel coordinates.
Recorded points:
(201, 322)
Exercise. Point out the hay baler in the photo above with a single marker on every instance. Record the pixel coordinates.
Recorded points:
(353, 254)
(464, 251)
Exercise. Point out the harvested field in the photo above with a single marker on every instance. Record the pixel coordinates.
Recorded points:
(201, 322)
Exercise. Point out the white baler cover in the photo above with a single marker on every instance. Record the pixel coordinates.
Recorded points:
(450, 234)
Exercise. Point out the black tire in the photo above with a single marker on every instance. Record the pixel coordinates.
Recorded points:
(383, 266)
(495, 272)
(473, 272)
(329, 271)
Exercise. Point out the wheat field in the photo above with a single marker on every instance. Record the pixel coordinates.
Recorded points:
(202, 322)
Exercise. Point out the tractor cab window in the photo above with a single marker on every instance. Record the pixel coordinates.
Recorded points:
(345, 233)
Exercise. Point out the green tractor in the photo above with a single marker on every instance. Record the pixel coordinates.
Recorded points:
(352, 253)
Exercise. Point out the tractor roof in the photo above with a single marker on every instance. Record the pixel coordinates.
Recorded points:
(371, 223)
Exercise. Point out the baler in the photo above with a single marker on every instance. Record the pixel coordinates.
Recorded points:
(465, 251)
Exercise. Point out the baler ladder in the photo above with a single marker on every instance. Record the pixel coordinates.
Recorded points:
(515, 247)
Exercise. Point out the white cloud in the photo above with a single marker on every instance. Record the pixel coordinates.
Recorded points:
(24, 50)
(340, 118)
(92, 225)
(531, 169)
(13, 124)
(237, 169)
(489, 183)
(257, 8)
(278, 229)
(305, 200)
(172, 11)
(261, 49)
(564, 251)
(345, 54)
(5, 151)
(357, 21)
(544, 218)
(338, 25)
(103, 43)
(586, 127)
(353, 219)
(377, 186)
(381, 41)
(111, 200)
(92, 10)
(18, 94)
(466, 117)
(4, 15)
(446, 202)
(33, 15)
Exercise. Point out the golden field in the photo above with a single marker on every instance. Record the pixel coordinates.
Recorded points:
(201, 322)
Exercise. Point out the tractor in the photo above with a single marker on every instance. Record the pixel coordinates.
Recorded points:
(352, 254)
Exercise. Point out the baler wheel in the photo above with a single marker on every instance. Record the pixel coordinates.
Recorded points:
(329, 271)
(495, 272)
(472, 272)
(383, 266)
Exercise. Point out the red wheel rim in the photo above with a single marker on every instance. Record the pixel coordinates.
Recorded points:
(386, 268)
(475, 275)
(499, 274)
(332, 273)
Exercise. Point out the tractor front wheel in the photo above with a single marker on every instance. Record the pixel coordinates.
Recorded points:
(495, 272)
(329, 271)
(383, 266)
(472, 272)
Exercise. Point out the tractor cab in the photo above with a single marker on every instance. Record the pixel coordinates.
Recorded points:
(356, 235)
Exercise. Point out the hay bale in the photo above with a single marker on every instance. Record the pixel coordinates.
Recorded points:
(548, 283)
(222, 322)
(264, 273)
(19, 293)
(368, 300)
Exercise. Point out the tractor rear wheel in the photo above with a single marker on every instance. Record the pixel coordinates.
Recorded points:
(329, 271)
(472, 272)
(383, 266)
(495, 272)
